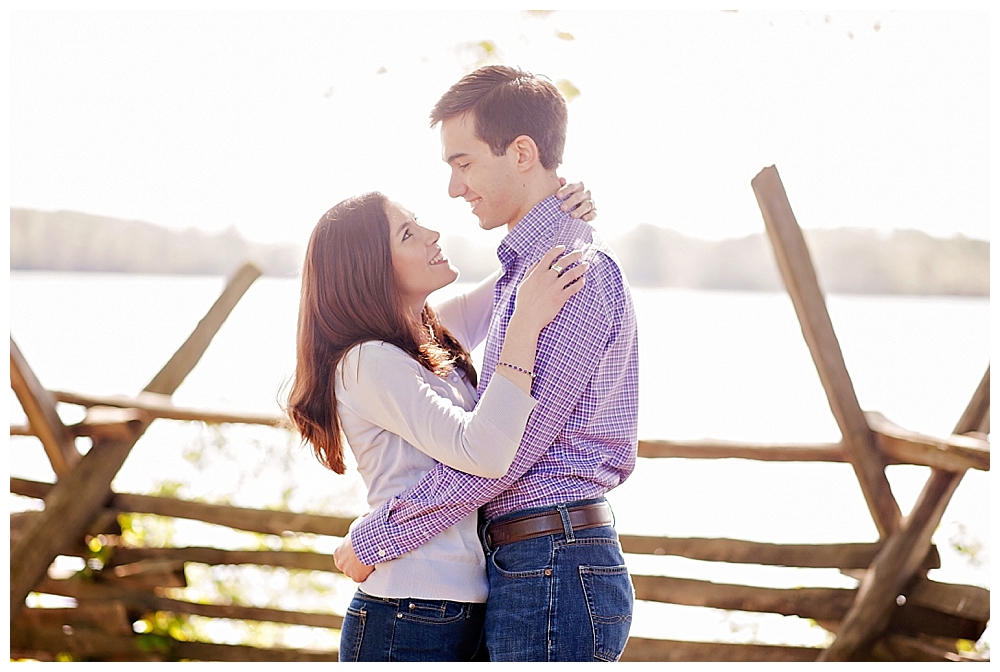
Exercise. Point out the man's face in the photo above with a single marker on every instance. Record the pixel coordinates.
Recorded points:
(485, 181)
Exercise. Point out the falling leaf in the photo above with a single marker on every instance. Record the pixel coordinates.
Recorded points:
(539, 13)
(850, 35)
(381, 71)
(562, 35)
(877, 26)
(567, 89)
(477, 54)
(329, 92)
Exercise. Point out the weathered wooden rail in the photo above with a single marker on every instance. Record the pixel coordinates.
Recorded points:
(895, 612)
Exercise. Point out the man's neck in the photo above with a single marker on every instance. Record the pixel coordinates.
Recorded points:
(535, 193)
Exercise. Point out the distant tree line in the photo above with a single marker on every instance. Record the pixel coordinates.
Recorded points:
(848, 261)
(74, 241)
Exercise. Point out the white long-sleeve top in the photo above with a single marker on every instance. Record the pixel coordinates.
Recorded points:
(400, 419)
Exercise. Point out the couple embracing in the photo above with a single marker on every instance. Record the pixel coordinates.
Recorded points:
(489, 537)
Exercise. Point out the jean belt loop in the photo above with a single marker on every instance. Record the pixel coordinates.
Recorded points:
(484, 537)
(567, 525)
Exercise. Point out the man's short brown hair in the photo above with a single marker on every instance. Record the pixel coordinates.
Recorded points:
(507, 103)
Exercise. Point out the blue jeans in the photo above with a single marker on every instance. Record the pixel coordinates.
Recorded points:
(379, 629)
(561, 597)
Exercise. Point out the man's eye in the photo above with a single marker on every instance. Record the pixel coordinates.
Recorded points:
(463, 166)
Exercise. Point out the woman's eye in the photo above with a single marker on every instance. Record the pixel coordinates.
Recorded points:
(407, 234)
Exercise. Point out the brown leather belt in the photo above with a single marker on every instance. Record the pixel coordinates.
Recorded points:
(550, 522)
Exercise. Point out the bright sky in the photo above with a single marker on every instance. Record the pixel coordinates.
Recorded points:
(263, 120)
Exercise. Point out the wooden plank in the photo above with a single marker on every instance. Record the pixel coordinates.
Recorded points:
(252, 520)
(94, 645)
(897, 445)
(160, 406)
(976, 416)
(69, 507)
(815, 603)
(968, 601)
(911, 618)
(739, 551)
(78, 497)
(33, 489)
(40, 409)
(111, 617)
(189, 354)
(900, 648)
(799, 276)
(110, 423)
(22, 430)
(644, 650)
(235, 653)
(896, 564)
(84, 645)
(148, 574)
(307, 560)
(711, 449)
(957, 453)
(87, 592)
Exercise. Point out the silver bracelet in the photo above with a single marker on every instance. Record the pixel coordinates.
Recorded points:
(531, 374)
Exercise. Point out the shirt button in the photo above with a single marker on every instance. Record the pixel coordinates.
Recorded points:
(381, 553)
(399, 614)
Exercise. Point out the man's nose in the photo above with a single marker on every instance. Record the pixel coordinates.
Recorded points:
(455, 186)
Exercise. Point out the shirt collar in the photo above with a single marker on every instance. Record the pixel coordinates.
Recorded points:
(520, 240)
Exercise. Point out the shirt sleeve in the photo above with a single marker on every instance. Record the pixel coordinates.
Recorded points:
(569, 352)
(467, 316)
(385, 386)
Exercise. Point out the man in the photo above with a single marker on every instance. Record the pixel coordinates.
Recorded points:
(559, 588)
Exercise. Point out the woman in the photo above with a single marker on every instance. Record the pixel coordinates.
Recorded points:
(377, 363)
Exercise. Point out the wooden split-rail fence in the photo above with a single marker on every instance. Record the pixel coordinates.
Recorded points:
(894, 613)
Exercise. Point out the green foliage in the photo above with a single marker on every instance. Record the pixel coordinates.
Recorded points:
(567, 89)
(963, 542)
(147, 530)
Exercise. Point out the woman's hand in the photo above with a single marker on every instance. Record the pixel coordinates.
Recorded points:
(347, 562)
(547, 287)
(576, 200)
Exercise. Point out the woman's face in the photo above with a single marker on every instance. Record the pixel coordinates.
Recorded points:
(417, 259)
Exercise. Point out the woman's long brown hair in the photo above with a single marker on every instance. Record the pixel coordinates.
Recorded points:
(349, 296)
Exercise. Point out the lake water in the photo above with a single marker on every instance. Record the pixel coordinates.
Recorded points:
(721, 365)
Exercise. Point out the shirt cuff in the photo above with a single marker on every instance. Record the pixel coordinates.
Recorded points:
(370, 537)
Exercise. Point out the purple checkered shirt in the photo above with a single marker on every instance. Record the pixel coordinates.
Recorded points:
(581, 439)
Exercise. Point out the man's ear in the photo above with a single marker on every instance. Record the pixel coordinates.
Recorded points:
(525, 152)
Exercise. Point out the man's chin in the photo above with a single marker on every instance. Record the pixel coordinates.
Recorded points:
(488, 225)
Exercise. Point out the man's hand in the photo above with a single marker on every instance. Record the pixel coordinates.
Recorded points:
(347, 561)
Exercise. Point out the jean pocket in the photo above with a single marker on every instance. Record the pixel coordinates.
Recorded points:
(352, 633)
(526, 559)
(432, 612)
(610, 598)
